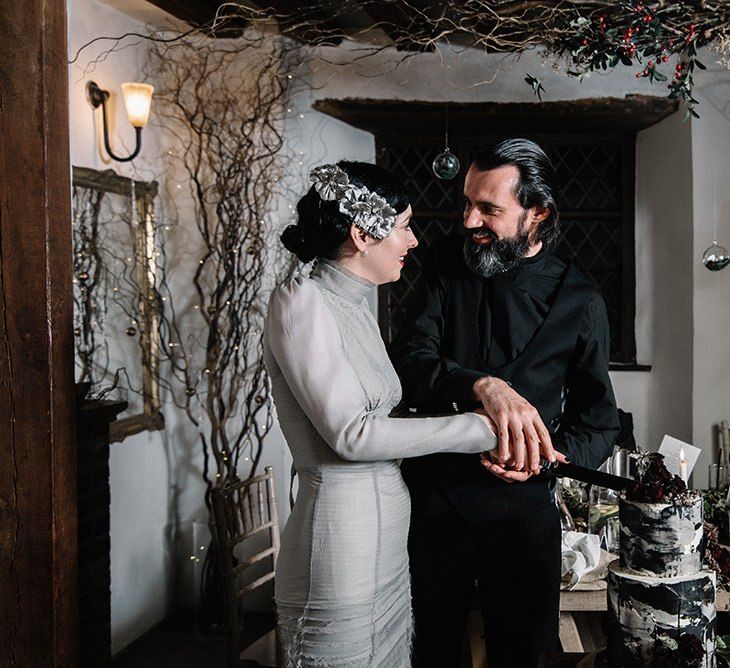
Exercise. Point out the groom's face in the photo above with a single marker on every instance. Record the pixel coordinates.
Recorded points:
(499, 229)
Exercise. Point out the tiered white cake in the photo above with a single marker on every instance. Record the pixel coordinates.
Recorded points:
(658, 589)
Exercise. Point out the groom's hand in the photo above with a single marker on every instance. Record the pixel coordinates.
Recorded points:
(521, 434)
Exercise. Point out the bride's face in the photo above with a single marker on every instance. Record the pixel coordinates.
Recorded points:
(386, 258)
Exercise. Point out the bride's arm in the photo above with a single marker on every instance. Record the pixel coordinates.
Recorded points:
(304, 339)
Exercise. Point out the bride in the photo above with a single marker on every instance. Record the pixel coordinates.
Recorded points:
(342, 583)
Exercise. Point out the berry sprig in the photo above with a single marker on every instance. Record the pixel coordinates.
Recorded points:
(631, 33)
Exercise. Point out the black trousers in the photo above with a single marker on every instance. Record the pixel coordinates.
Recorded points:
(517, 567)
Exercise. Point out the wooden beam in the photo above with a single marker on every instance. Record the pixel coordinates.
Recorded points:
(398, 23)
(470, 122)
(201, 13)
(309, 24)
(38, 545)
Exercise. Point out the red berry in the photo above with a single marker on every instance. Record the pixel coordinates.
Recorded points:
(584, 42)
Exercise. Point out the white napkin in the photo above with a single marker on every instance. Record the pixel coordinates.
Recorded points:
(581, 554)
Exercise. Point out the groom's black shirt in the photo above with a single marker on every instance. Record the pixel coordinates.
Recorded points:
(543, 328)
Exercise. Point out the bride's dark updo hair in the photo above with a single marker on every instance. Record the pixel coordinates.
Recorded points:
(322, 228)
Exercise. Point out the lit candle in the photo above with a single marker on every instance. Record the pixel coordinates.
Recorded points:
(682, 465)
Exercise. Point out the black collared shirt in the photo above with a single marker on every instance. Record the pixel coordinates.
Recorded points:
(515, 304)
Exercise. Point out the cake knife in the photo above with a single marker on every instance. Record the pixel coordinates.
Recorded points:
(590, 476)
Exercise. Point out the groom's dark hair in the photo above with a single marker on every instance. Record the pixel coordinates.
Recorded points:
(536, 185)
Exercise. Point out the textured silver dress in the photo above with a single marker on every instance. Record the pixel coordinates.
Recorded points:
(342, 583)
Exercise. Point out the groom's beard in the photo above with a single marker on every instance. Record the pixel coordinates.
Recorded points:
(500, 256)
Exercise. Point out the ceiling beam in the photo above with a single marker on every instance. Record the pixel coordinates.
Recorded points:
(397, 22)
(308, 24)
(201, 13)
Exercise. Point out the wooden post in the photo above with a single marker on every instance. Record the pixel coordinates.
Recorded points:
(37, 405)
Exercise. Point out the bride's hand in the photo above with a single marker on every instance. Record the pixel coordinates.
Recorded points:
(501, 469)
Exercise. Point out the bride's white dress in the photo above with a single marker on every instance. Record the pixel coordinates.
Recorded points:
(342, 584)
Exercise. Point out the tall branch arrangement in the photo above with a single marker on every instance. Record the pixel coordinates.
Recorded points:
(222, 109)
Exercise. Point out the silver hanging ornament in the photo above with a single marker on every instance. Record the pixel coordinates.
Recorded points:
(446, 165)
(716, 257)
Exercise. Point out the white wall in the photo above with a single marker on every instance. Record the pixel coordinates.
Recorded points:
(664, 263)
(711, 316)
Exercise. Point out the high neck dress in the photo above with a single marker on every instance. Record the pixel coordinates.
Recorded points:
(342, 584)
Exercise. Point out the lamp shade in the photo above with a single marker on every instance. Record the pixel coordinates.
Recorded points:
(137, 100)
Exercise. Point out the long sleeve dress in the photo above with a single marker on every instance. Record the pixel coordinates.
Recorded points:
(342, 584)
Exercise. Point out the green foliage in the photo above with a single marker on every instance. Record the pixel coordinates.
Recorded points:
(715, 511)
(642, 34)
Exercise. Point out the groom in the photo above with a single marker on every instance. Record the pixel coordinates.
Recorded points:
(497, 320)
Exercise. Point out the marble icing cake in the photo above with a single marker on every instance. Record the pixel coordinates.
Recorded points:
(661, 602)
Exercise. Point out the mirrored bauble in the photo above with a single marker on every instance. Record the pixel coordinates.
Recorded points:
(716, 257)
(131, 331)
(445, 165)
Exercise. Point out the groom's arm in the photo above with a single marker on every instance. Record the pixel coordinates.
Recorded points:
(589, 424)
(434, 382)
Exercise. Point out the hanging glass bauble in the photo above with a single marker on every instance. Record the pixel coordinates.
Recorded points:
(716, 257)
(131, 330)
(446, 165)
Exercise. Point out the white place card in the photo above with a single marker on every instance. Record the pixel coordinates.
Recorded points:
(670, 448)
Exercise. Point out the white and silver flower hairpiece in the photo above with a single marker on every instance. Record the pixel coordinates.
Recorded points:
(368, 210)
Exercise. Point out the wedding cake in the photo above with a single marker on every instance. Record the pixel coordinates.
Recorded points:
(661, 602)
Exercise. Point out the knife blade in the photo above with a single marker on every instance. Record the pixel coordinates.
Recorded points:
(590, 476)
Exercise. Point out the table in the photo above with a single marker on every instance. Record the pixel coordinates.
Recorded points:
(580, 631)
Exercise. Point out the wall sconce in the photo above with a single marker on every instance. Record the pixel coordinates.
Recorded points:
(137, 100)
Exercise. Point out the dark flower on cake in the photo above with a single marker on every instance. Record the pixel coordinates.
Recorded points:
(691, 649)
(686, 652)
(656, 483)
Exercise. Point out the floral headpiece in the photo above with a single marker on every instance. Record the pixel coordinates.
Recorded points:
(368, 210)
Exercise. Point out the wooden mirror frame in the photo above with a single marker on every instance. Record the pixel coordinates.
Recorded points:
(151, 418)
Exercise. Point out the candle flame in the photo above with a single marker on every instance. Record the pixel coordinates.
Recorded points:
(681, 454)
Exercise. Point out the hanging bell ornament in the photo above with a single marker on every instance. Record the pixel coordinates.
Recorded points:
(446, 165)
(716, 257)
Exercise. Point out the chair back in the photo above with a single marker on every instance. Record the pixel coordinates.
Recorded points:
(243, 509)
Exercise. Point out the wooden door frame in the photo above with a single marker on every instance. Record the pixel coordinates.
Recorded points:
(38, 525)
